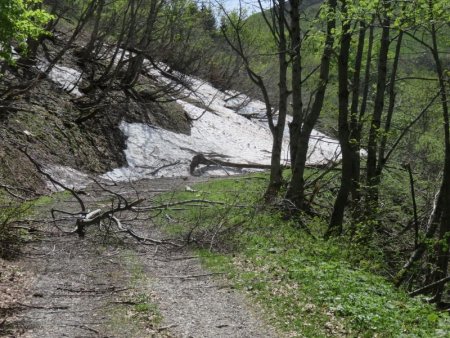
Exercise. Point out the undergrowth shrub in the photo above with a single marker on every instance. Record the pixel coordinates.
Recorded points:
(10, 237)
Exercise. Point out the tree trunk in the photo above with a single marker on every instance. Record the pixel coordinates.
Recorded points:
(335, 225)
(442, 246)
(300, 138)
(276, 173)
(390, 113)
(355, 128)
(373, 179)
(297, 103)
(440, 215)
(87, 51)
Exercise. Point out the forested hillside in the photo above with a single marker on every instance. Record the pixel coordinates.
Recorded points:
(93, 92)
(374, 76)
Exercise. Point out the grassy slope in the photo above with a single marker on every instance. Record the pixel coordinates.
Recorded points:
(307, 286)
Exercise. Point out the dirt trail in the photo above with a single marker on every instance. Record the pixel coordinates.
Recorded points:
(97, 287)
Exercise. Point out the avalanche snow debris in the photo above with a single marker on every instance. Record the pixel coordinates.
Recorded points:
(224, 130)
(69, 177)
(65, 78)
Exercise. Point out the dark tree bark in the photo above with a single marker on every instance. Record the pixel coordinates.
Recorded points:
(301, 127)
(373, 179)
(295, 127)
(442, 212)
(135, 62)
(355, 119)
(89, 48)
(439, 220)
(277, 26)
(335, 225)
(276, 175)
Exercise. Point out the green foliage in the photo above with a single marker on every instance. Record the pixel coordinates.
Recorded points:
(307, 286)
(10, 238)
(20, 20)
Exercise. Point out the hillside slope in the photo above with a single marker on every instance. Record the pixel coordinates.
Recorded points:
(132, 136)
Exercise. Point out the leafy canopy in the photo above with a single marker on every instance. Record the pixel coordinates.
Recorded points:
(19, 20)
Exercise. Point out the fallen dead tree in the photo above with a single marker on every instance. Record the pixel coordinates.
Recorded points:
(201, 159)
(118, 217)
(104, 219)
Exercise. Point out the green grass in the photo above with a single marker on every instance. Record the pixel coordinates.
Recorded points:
(307, 286)
(11, 238)
(135, 312)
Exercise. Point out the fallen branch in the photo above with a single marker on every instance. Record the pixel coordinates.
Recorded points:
(9, 189)
(63, 307)
(201, 159)
(168, 205)
(163, 328)
(155, 171)
(110, 289)
(429, 286)
(194, 276)
(138, 237)
(39, 168)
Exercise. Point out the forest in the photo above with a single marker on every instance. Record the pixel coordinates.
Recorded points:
(354, 244)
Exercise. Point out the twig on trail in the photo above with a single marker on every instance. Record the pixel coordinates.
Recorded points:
(40, 221)
(138, 237)
(217, 230)
(183, 258)
(168, 205)
(118, 195)
(84, 327)
(29, 229)
(108, 290)
(163, 328)
(9, 189)
(193, 276)
(62, 307)
(6, 186)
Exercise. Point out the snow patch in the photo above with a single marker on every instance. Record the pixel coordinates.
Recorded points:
(69, 177)
(233, 127)
(65, 78)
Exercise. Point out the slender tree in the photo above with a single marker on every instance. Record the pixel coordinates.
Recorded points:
(302, 125)
(430, 16)
(276, 22)
(335, 226)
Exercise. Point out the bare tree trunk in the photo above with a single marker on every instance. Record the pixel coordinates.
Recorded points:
(357, 117)
(354, 119)
(335, 225)
(87, 51)
(440, 216)
(300, 137)
(295, 127)
(373, 179)
(367, 82)
(392, 96)
(442, 245)
(277, 27)
(276, 174)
